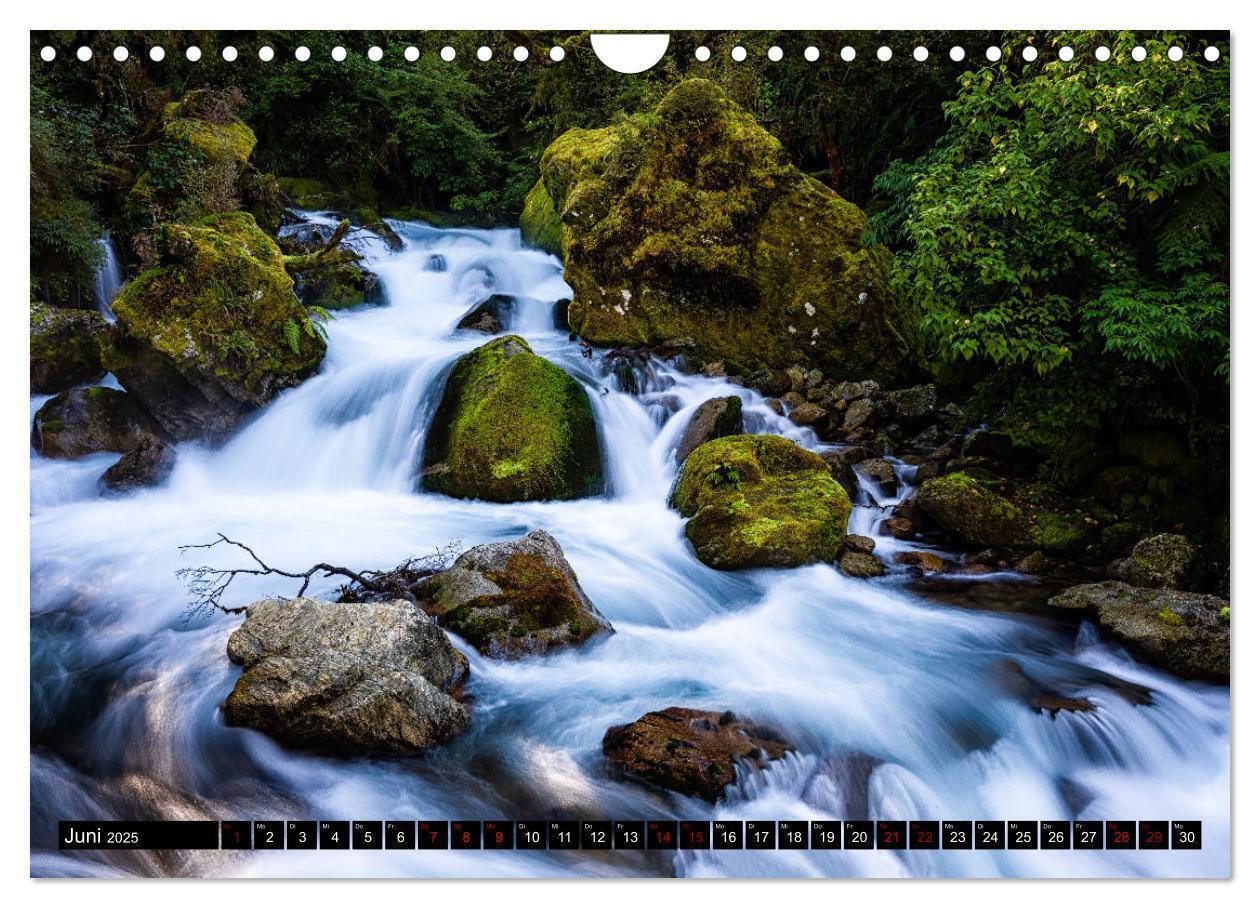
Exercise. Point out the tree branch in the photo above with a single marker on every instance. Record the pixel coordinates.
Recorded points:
(207, 585)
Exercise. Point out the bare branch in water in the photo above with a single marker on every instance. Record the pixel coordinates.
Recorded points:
(207, 585)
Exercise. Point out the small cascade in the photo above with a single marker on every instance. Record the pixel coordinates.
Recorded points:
(108, 279)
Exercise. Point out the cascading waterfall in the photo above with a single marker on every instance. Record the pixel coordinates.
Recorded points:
(891, 699)
(108, 280)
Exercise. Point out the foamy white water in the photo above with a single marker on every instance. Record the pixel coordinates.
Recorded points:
(892, 700)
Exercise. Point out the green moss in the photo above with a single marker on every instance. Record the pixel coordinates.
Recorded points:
(970, 508)
(65, 348)
(218, 142)
(760, 501)
(218, 305)
(540, 225)
(1224, 613)
(305, 193)
(1169, 617)
(690, 225)
(512, 427)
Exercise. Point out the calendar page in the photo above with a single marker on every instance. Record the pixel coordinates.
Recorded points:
(575, 454)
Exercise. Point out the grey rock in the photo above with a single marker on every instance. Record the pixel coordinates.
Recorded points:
(1185, 633)
(147, 464)
(346, 676)
(513, 599)
(1165, 561)
(85, 421)
(860, 412)
(861, 565)
(716, 418)
(880, 472)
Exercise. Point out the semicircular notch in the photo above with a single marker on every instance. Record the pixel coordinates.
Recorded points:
(629, 54)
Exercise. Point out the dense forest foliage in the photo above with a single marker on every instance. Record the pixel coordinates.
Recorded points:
(1060, 228)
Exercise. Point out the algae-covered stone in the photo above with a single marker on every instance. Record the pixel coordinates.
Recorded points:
(1186, 633)
(981, 516)
(512, 426)
(195, 166)
(761, 501)
(540, 225)
(346, 677)
(215, 331)
(1167, 560)
(65, 348)
(691, 223)
(85, 421)
(513, 599)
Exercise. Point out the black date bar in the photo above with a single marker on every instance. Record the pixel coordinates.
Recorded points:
(184, 835)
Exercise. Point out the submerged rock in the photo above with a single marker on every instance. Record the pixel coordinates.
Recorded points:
(513, 599)
(214, 332)
(346, 677)
(512, 427)
(85, 421)
(147, 464)
(65, 348)
(715, 418)
(1185, 633)
(691, 222)
(761, 501)
(1165, 561)
(691, 751)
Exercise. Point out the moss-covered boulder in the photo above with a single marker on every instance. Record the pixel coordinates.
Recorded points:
(512, 426)
(690, 226)
(1185, 633)
(65, 348)
(761, 501)
(1164, 561)
(692, 751)
(981, 515)
(215, 331)
(540, 225)
(198, 165)
(85, 421)
(513, 599)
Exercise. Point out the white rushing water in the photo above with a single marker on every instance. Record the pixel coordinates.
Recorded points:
(895, 703)
(109, 279)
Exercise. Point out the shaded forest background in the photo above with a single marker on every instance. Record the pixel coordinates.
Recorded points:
(1060, 230)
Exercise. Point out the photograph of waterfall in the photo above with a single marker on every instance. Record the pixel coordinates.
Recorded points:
(805, 456)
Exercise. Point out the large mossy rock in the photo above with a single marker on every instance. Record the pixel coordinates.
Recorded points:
(540, 225)
(513, 599)
(512, 426)
(692, 751)
(346, 677)
(1164, 561)
(198, 165)
(215, 331)
(1185, 633)
(690, 226)
(85, 421)
(761, 501)
(65, 348)
(982, 516)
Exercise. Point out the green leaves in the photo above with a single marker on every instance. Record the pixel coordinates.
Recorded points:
(1066, 205)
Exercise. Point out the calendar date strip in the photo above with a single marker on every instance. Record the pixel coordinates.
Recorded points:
(606, 835)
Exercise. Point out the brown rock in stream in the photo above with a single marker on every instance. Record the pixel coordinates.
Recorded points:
(690, 750)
